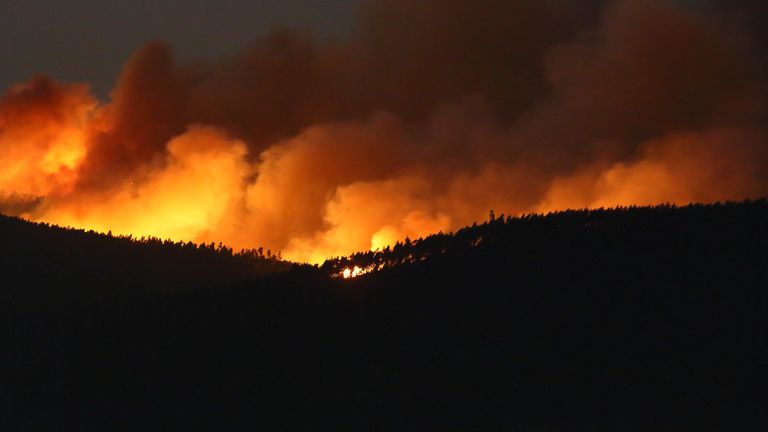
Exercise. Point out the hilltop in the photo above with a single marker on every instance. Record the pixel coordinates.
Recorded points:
(46, 266)
(619, 319)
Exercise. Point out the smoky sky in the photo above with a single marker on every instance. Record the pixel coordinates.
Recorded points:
(356, 126)
(89, 40)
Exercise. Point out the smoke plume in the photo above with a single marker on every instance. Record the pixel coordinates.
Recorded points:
(434, 113)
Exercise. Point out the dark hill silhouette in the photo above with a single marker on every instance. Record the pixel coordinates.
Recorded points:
(627, 319)
(47, 267)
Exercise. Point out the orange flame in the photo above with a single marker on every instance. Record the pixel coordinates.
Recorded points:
(353, 272)
(281, 149)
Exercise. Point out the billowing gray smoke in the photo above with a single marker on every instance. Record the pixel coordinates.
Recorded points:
(435, 112)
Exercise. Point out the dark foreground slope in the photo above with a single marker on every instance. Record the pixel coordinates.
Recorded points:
(53, 269)
(635, 319)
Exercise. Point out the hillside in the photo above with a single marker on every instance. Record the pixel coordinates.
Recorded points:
(626, 319)
(47, 267)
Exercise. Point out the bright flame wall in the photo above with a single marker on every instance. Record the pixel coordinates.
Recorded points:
(435, 113)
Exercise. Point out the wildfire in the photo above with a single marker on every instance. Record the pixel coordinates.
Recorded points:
(353, 272)
(308, 150)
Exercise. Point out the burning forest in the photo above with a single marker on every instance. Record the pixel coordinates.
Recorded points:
(428, 116)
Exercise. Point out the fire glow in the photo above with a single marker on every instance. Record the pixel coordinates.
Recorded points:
(353, 272)
(281, 148)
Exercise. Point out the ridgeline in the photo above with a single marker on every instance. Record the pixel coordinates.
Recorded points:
(639, 318)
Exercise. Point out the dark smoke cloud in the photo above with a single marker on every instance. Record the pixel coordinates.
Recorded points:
(432, 114)
(147, 109)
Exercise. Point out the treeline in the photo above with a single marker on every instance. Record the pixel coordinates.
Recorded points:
(547, 230)
(49, 266)
(649, 318)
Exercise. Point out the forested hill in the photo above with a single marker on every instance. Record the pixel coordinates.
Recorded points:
(649, 318)
(585, 233)
(46, 266)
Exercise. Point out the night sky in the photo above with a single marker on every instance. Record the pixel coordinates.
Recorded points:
(89, 40)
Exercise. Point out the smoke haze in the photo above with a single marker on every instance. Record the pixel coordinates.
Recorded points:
(432, 114)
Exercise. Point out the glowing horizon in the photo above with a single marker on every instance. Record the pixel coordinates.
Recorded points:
(320, 149)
